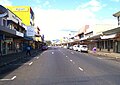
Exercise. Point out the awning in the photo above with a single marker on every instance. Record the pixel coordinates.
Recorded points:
(108, 36)
(96, 36)
(112, 31)
(116, 14)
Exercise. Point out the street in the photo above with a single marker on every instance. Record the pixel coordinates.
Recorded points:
(59, 66)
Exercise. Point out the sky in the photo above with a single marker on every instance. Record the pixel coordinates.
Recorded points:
(59, 18)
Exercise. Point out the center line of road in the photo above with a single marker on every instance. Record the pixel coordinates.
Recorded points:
(81, 69)
(52, 52)
(99, 58)
(8, 79)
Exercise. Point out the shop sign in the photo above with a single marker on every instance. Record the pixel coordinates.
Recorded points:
(20, 9)
(30, 31)
(19, 34)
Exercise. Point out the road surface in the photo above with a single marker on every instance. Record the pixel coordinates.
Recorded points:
(59, 66)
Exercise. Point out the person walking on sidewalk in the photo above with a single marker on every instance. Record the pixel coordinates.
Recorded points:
(94, 49)
(28, 51)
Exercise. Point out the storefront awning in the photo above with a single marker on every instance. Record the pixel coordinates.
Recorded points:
(96, 36)
(108, 36)
(112, 31)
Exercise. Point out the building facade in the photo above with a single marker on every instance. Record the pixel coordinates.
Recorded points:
(11, 31)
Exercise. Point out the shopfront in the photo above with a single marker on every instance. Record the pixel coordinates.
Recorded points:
(8, 46)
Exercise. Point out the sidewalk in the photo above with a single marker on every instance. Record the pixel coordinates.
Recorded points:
(106, 54)
(6, 59)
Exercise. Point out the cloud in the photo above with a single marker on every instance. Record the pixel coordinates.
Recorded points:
(93, 5)
(52, 21)
(5, 2)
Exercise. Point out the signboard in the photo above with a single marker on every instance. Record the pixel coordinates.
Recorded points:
(20, 9)
(30, 31)
(19, 34)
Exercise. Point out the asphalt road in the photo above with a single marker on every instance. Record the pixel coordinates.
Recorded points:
(59, 66)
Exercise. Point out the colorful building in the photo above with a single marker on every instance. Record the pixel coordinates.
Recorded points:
(25, 13)
(11, 32)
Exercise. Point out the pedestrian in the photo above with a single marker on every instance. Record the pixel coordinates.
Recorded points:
(94, 49)
(28, 51)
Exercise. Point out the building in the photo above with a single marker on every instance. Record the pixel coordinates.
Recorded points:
(25, 13)
(11, 31)
(38, 38)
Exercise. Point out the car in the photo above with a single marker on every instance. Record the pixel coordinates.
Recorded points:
(44, 47)
(83, 48)
(75, 47)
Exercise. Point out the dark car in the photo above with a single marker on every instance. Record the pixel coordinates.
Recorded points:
(44, 47)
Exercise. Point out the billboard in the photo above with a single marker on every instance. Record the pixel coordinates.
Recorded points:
(30, 31)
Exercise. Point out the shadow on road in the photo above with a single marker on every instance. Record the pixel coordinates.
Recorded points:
(10, 67)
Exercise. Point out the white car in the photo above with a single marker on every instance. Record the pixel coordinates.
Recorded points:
(83, 48)
(75, 47)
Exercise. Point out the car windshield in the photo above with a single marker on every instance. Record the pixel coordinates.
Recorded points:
(59, 42)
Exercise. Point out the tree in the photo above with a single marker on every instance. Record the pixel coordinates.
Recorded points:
(48, 42)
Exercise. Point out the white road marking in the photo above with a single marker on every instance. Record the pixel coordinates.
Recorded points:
(99, 58)
(71, 60)
(30, 63)
(13, 77)
(81, 69)
(66, 56)
(8, 79)
(52, 52)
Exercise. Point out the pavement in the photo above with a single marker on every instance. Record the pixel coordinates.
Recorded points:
(6, 59)
(106, 54)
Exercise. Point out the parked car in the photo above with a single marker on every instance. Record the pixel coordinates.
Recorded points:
(44, 47)
(83, 48)
(75, 47)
